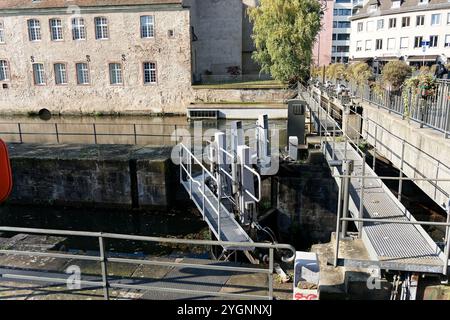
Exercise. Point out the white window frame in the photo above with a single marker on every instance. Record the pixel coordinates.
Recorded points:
(438, 15)
(34, 30)
(82, 73)
(380, 24)
(448, 18)
(368, 45)
(60, 73)
(377, 41)
(359, 45)
(39, 74)
(394, 24)
(115, 73)
(78, 29)
(2, 32)
(447, 41)
(101, 28)
(406, 19)
(434, 44)
(391, 40)
(56, 29)
(4, 70)
(360, 27)
(422, 20)
(420, 42)
(402, 43)
(147, 26)
(149, 73)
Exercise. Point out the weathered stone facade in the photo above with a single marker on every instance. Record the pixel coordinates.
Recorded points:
(170, 94)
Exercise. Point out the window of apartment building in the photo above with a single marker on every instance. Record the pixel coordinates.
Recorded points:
(2, 32)
(60, 73)
(404, 42)
(334, 36)
(115, 73)
(343, 49)
(391, 44)
(101, 28)
(333, 49)
(342, 12)
(344, 24)
(38, 74)
(434, 41)
(78, 29)
(358, 45)
(405, 22)
(149, 72)
(34, 30)
(418, 42)
(4, 70)
(370, 25)
(56, 30)
(368, 45)
(448, 18)
(421, 2)
(380, 24)
(447, 40)
(392, 23)
(420, 20)
(379, 44)
(396, 4)
(436, 19)
(82, 73)
(343, 36)
(360, 26)
(147, 27)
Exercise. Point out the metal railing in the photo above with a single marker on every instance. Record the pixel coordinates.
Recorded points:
(432, 111)
(342, 217)
(188, 159)
(95, 133)
(104, 259)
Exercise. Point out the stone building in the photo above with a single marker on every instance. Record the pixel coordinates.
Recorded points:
(117, 56)
(82, 55)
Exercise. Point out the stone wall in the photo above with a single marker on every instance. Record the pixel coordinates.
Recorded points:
(242, 95)
(171, 94)
(92, 175)
(426, 151)
(307, 202)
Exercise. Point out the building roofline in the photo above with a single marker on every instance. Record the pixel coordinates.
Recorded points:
(378, 13)
(94, 9)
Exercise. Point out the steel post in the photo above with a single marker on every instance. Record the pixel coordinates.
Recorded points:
(375, 148)
(347, 166)
(20, 132)
(361, 196)
(57, 133)
(103, 264)
(135, 135)
(271, 257)
(95, 133)
(400, 183)
(338, 223)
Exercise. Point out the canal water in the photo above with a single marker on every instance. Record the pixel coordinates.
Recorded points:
(142, 130)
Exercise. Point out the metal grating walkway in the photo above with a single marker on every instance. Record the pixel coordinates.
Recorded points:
(402, 246)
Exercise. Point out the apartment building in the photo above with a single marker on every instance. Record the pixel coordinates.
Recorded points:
(416, 31)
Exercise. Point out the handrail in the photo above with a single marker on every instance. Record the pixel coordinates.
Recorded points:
(103, 258)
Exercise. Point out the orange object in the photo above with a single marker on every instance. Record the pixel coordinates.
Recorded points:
(5, 173)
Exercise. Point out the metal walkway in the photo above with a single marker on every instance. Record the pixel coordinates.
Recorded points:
(402, 246)
(208, 191)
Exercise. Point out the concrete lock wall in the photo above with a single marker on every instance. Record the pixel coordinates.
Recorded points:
(88, 175)
(244, 95)
(171, 94)
(417, 164)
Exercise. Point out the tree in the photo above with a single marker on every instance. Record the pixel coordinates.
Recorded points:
(395, 73)
(284, 32)
(358, 73)
(335, 71)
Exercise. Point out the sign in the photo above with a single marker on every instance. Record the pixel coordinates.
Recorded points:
(5, 173)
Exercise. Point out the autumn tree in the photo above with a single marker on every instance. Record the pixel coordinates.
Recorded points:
(284, 32)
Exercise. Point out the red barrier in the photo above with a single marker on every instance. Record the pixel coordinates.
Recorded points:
(5, 173)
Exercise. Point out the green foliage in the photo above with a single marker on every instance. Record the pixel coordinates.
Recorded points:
(335, 71)
(423, 85)
(358, 73)
(284, 32)
(394, 74)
